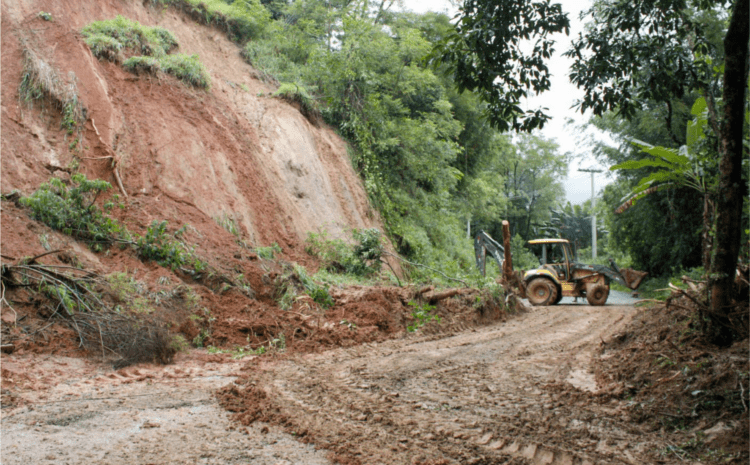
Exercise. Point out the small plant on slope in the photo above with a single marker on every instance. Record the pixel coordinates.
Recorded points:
(151, 47)
(72, 210)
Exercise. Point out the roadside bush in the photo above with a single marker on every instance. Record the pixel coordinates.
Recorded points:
(72, 210)
(422, 314)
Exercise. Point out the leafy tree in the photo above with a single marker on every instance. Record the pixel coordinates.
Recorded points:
(659, 232)
(486, 53)
(533, 183)
(683, 167)
(657, 50)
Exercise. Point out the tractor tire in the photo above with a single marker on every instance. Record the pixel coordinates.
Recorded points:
(597, 294)
(541, 291)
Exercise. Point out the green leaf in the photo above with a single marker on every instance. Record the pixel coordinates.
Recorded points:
(699, 107)
(644, 163)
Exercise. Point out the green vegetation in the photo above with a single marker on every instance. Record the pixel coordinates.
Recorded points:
(72, 210)
(109, 40)
(658, 287)
(126, 34)
(360, 259)
(130, 293)
(179, 343)
(422, 314)
(673, 77)
(295, 281)
(229, 224)
(163, 248)
(269, 252)
(298, 94)
(242, 20)
(428, 158)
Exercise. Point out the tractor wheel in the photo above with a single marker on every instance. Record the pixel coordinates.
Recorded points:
(541, 291)
(597, 294)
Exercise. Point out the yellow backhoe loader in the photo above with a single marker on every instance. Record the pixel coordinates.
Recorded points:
(559, 275)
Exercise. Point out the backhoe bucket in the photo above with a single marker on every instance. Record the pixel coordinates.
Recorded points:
(632, 278)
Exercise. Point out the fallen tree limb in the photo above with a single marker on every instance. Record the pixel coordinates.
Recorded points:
(437, 296)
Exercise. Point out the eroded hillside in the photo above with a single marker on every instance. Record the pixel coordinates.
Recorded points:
(183, 154)
(231, 169)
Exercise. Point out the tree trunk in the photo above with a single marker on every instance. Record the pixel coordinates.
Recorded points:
(732, 188)
(706, 237)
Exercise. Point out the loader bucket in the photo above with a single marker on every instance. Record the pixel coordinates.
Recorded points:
(632, 277)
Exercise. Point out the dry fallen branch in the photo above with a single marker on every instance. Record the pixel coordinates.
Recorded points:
(437, 296)
(126, 338)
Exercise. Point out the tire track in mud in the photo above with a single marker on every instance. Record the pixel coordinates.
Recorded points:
(145, 414)
(482, 396)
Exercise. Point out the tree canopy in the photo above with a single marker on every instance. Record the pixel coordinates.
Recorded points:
(499, 49)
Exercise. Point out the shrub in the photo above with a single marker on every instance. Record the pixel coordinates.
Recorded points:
(151, 46)
(360, 259)
(72, 210)
(186, 68)
(105, 47)
(294, 281)
(422, 313)
(242, 20)
(269, 252)
(157, 245)
(141, 64)
(107, 38)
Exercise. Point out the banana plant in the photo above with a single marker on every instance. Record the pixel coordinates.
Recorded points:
(681, 167)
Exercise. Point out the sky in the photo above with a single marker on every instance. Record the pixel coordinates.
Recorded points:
(560, 100)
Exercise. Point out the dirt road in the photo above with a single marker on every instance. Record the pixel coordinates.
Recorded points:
(494, 395)
(505, 393)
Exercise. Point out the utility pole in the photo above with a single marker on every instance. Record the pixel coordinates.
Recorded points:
(593, 212)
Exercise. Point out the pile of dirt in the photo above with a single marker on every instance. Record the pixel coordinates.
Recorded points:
(674, 382)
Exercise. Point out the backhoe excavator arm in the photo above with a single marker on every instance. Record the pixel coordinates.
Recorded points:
(625, 276)
(483, 245)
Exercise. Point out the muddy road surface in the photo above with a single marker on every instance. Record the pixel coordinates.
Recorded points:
(504, 393)
(499, 394)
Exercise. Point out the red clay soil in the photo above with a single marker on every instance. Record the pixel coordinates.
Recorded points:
(190, 157)
(675, 382)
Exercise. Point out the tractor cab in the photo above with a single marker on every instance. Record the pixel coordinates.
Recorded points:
(556, 256)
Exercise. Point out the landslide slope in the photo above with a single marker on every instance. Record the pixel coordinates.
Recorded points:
(183, 154)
